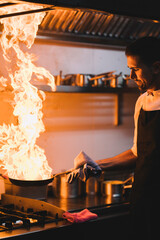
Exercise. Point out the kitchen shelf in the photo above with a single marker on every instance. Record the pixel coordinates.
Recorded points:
(78, 89)
(108, 90)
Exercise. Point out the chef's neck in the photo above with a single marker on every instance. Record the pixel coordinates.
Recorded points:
(156, 84)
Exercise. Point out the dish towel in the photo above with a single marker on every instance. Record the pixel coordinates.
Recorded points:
(79, 217)
(84, 167)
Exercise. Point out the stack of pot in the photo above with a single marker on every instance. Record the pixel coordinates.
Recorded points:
(93, 186)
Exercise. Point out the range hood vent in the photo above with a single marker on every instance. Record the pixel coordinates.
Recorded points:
(113, 22)
(96, 28)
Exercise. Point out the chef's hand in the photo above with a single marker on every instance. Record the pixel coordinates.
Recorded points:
(84, 172)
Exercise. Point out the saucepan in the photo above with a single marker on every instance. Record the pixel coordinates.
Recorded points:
(63, 189)
(115, 188)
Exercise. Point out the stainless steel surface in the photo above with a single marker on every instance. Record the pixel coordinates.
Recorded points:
(25, 217)
(96, 27)
(34, 192)
(135, 8)
(26, 203)
(96, 23)
(97, 204)
(13, 13)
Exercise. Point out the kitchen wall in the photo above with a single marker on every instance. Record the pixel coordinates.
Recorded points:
(76, 122)
(79, 121)
(73, 58)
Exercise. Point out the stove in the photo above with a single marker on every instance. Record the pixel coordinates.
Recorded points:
(22, 216)
(32, 219)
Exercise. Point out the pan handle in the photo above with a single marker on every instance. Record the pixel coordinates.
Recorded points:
(128, 179)
(61, 173)
(3, 176)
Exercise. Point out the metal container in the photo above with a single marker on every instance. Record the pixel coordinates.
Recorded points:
(112, 188)
(116, 188)
(82, 80)
(35, 192)
(92, 186)
(113, 82)
(63, 189)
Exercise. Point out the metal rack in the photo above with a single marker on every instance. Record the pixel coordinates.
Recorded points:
(118, 92)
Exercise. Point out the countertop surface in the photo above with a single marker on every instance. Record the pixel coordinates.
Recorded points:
(86, 201)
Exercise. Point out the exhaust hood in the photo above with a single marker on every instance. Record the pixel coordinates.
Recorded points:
(113, 22)
(136, 8)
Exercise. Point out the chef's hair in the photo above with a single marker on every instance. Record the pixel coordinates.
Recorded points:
(147, 48)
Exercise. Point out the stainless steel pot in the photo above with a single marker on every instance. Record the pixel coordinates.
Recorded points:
(112, 188)
(82, 80)
(63, 189)
(115, 188)
(92, 186)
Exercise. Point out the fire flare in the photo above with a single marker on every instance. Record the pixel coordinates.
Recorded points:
(20, 156)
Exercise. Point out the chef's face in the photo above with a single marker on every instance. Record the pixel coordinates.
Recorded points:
(141, 73)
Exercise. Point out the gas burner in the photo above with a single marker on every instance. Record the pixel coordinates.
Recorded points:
(18, 212)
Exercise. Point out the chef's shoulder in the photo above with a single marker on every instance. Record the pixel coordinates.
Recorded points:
(139, 103)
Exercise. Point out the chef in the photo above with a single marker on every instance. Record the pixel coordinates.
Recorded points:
(143, 59)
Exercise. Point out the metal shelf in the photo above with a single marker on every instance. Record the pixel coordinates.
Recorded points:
(108, 90)
(78, 89)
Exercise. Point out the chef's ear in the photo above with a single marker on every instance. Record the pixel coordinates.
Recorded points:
(156, 67)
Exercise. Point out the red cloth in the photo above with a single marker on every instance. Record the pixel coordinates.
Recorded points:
(78, 217)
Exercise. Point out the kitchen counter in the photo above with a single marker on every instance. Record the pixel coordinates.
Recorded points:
(87, 201)
(112, 221)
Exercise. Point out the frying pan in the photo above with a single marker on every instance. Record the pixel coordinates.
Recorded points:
(27, 183)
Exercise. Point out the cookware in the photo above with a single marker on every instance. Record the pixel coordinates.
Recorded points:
(101, 75)
(63, 189)
(92, 186)
(26, 183)
(115, 188)
(81, 80)
(107, 79)
(29, 191)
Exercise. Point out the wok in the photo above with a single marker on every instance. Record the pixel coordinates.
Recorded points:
(27, 183)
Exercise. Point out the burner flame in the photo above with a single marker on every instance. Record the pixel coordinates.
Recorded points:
(20, 156)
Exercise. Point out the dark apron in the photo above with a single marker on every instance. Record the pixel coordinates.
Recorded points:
(145, 199)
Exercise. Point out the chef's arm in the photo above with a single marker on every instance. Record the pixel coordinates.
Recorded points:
(125, 160)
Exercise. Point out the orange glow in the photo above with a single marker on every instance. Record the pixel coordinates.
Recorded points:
(20, 156)
(155, 21)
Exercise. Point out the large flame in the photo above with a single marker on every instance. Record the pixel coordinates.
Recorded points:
(20, 156)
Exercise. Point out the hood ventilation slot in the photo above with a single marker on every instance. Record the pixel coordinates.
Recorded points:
(87, 25)
(94, 27)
